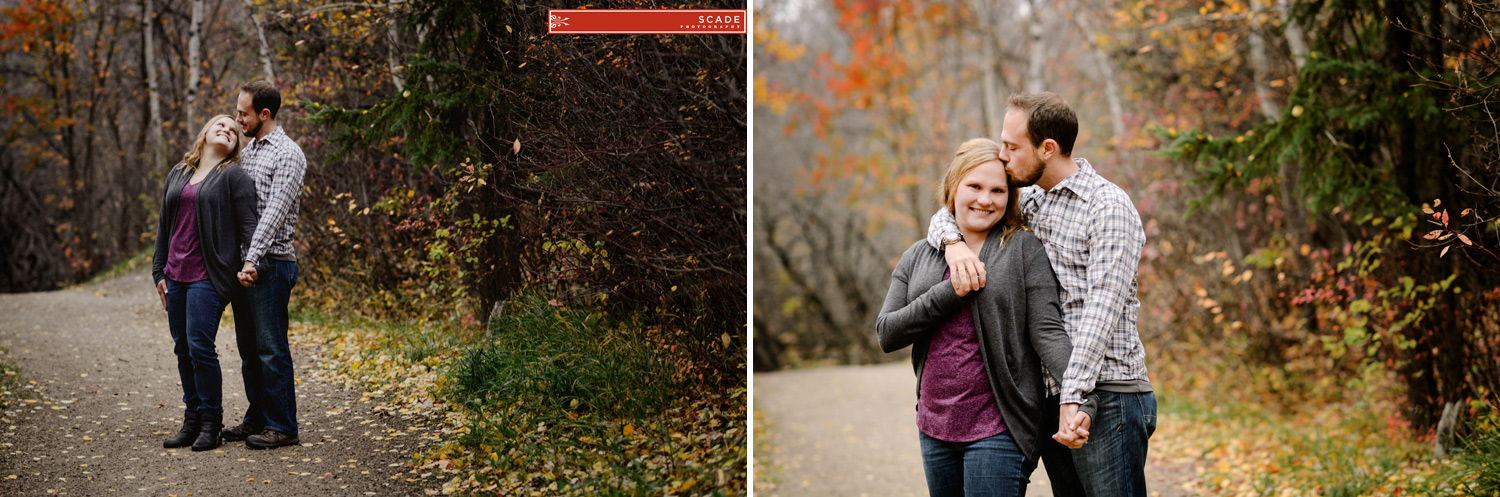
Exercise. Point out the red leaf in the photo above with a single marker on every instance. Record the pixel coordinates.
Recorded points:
(1445, 218)
(1444, 252)
(1433, 234)
(1464, 239)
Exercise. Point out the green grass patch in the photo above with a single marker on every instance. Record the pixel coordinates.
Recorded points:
(141, 259)
(767, 471)
(12, 387)
(1361, 448)
(549, 399)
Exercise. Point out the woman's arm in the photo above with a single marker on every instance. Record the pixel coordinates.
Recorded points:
(1044, 315)
(902, 322)
(159, 258)
(246, 215)
(1043, 309)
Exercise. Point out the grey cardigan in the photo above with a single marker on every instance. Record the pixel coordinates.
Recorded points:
(227, 214)
(1017, 316)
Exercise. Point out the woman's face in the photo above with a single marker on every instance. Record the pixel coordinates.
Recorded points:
(981, 198)
(223, 135)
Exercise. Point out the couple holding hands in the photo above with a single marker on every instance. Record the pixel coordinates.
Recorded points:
(1020, 308)
(228, 211)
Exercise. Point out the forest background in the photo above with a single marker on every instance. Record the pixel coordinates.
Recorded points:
(552, 226)
(1317, 180)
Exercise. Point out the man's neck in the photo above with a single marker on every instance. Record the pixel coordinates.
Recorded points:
(1058, 169)
(266, 128)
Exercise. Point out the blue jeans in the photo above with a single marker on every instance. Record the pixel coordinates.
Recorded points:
(260, 324)
(1113, 462)
(1056, 457)
(193, 312)
(993, 466)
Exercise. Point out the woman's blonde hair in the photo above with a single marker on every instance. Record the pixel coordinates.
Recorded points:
(970, 155)
(195, 153)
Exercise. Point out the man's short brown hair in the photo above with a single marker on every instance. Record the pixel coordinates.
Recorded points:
(1048, 116)
(263, 95)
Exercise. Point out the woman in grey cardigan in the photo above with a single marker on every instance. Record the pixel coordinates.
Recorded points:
(208, 214)
(979, 356)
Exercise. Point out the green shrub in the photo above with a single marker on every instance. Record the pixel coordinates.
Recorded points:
(562, 360)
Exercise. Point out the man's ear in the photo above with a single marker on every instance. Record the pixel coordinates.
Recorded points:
(1049, 148)
(265, 114)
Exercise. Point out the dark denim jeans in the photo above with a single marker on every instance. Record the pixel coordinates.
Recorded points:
(260, 324)
(193, 312)
(993, 466)
(1113, 462)
(1056, 457)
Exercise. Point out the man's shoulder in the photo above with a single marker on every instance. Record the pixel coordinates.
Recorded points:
(282, 142)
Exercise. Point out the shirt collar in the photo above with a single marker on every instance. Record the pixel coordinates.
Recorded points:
(272, 136)
(1081, 183)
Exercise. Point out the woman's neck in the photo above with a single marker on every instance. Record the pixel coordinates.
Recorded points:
(974, 239)
(210, 158)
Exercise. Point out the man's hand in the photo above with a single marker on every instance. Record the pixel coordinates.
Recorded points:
(1072, 426)
(965, 270)
(248, 274)
(161, 290)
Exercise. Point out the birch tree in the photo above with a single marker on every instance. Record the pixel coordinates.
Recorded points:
(265, 48)
(195, 72)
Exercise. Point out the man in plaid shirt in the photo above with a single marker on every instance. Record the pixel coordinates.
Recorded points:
(276, 164)
(1093, 236)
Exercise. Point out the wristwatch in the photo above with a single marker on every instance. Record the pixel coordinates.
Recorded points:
(952, 238)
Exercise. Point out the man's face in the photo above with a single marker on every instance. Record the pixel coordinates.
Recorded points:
(246, 116)
(1022, 160)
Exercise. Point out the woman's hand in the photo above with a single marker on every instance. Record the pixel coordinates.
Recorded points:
(964, 268)
(161, 290)
(1072, 426)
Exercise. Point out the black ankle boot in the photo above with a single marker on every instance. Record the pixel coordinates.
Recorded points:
(187, 434)
(209, 426)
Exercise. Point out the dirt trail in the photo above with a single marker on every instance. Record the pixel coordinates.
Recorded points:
(851, 431)
(107, 394)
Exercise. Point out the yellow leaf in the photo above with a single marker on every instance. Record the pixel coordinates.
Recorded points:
(629, 430)
(1444, 252)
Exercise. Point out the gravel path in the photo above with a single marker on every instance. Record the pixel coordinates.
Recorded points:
(105, 393)
(851, 431)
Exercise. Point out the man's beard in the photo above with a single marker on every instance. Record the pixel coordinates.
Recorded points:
(1019, 181)
(252, 132)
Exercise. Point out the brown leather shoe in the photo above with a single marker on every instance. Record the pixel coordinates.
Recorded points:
(270, 439)
(240, 432)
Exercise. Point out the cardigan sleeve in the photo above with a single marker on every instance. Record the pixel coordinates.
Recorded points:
(244, 209)
(901, 321)
(159, 258)
(1044, 313)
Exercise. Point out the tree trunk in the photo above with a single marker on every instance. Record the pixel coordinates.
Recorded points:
(989, 94)
(158, 143)
(1032, 20)
(1260, 64)
(265, 48)
(391, 61)
(1294, 37)
(1107, 73)
(195, 71)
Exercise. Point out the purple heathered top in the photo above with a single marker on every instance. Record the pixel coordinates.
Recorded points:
(955, 402)
(184, 254)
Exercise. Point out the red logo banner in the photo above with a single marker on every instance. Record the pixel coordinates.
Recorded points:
(643, 21)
